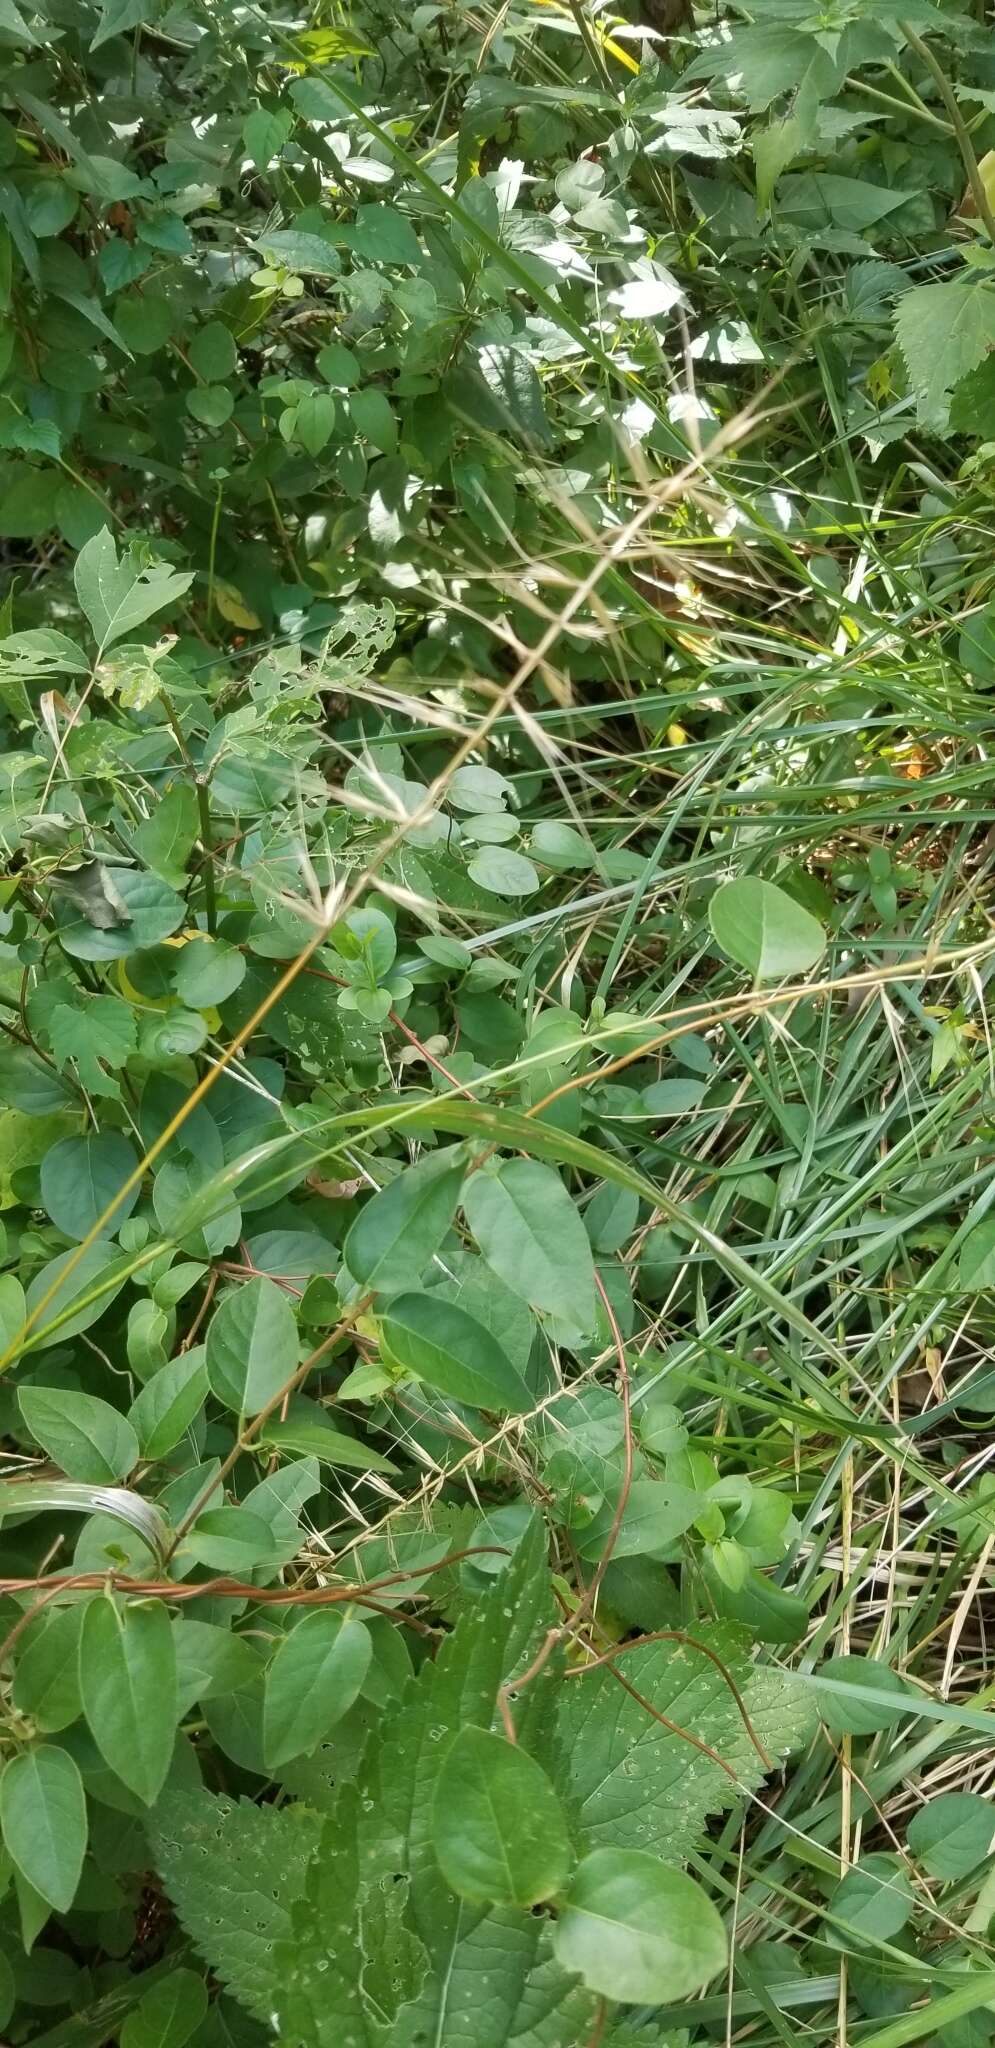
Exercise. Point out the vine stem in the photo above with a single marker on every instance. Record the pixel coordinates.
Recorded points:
(250, 1431)
(958, 124)
(554, 1636)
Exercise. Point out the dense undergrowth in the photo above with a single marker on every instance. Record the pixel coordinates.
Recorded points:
(495, 1157)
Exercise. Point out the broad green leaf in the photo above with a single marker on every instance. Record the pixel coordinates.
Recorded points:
(976, 1265)
(475, 787)
(43, 1818)
(976, 645)
(127, 1676)
(560, 846)
(84, 1436)
(118, 595)
(210, 404)
(78, 1296)
(294, 249)
(816, 199)
(264, 133)
(395, 1235)
(338, 365)
(508, 380)
(944, 331)
(447, 1348)
(165, 839)
(145, 321)
(761, 928)
(874, 1901)
(529, 1231)
(315, 1676)
(231, 1540)
(207, 972)
(252, 1346)
(81, 1178)
(315, 1437)
(845, 1716)
(212, 351)
(13, 1311)
(952, 1834)
(211, 1660)
(503, 872)
(149, 911)
(46, 1681)
(656, 1514)
(117, 17)
(168, 2014)
(498, 1828)
(773, 1614)
(372, 417)
(774, 148)
(169, 1403)
(636, 1931)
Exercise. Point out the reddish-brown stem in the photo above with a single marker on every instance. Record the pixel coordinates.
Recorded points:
(236, 1589)
(676, 1635)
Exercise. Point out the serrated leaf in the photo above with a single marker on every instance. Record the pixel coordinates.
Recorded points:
(233, 1871)
(264, 134)
(638, 1785)
(944, 331)
(490, 1976)
(353, 1965)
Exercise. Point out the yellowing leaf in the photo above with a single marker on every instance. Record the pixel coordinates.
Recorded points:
(232, 606)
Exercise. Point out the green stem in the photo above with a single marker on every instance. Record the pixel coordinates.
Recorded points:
(212, 553)
(204, 813)
(207, 842)
(959, 126)
(590, 42)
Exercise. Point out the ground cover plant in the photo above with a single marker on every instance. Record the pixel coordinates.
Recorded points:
(496, 1087)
